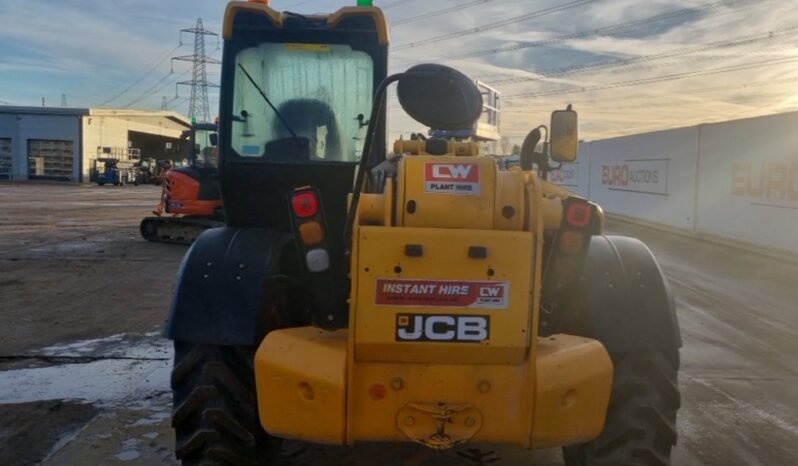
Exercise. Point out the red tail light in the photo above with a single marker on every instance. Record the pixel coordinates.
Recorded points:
(305, 204)
(578, 214)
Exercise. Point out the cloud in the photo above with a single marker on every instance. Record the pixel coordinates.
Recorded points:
(93, 49)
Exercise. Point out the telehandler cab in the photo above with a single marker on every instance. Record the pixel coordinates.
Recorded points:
(424, 297)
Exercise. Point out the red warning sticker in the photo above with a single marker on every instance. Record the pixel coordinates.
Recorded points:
(443, 293)
(451, 178)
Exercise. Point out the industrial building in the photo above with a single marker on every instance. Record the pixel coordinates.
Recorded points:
(60, 143)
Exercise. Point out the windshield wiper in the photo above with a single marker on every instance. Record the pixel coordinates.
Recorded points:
(276, 112)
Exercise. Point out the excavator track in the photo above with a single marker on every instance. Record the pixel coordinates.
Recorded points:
(176, 230)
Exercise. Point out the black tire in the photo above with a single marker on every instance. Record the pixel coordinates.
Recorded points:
(215, 414)
(640, 429)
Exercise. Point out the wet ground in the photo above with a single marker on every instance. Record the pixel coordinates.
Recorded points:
(84, 373)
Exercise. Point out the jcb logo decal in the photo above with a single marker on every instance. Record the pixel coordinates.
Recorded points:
(451, 178)
(442, 328)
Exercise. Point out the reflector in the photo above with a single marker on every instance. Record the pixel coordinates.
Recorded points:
(570, 242)
(311, 233)
(317, 260)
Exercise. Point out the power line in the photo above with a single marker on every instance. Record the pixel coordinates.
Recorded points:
(557, 72)
(495, 25)
(596, 31)
(390, 5)
(155, 88)
(141, 78)
(656, 79)
(443, 11)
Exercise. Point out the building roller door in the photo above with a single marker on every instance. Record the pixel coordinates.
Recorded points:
(50, 159)
(5, 158)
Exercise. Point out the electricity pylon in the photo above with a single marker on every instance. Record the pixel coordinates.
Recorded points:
(198, 108)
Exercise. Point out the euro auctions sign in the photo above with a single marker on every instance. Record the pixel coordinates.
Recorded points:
(443, 293)
(451, 178)
(645, 176)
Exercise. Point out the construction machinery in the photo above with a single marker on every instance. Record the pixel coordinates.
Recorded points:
(423, 296)
(114, 171)
(190, 199)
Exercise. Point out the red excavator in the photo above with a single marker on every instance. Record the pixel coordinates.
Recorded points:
(190, 201)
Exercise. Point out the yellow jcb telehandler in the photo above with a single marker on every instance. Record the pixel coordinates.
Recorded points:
(441, 301)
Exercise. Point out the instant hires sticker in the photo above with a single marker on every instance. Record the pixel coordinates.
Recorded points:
(443, 293)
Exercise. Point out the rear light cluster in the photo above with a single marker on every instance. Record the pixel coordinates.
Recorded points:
(580, 222)
(309, 226)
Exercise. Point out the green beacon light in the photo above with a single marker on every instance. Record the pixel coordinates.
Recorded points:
(365, 2)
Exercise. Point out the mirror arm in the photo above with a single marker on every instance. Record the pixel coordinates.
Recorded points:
(374, 120)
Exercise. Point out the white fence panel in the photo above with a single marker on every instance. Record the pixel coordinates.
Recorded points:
(574, 176)
(647, 176)
(748, 180)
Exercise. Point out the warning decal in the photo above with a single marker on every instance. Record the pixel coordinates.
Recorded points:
(451, 178)
(443, 293)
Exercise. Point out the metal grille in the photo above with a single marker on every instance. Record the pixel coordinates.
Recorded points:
(5, 158)
(50, 159)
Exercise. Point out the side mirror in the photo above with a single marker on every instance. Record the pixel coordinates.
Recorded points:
(564, 136)
(439, 97)
(214, 139)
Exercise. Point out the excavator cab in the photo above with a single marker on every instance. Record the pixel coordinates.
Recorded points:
(203, 146)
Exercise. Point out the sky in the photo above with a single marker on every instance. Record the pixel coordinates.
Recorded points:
(627, 66)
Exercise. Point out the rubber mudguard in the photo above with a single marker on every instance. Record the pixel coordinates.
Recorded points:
(623, 299)
(221, 284)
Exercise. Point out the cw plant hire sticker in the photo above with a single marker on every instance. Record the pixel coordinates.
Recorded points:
(451, 178)
(443, 293)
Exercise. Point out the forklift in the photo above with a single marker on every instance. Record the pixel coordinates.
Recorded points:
(424, 295)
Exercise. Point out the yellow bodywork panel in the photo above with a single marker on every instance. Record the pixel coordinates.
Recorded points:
(442, 344)
(301, 384)
(447, 192)
(509, 202)
(572, 390)
(442, 306)
(302, 394)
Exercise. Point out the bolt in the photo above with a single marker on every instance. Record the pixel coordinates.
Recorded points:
(208, 264)
(241, 266)
(330, 317)
(483, 386)
(409, 421)
(470, 421)
(397, 383)
(610, 286)
(205, 276)
(238, 277)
